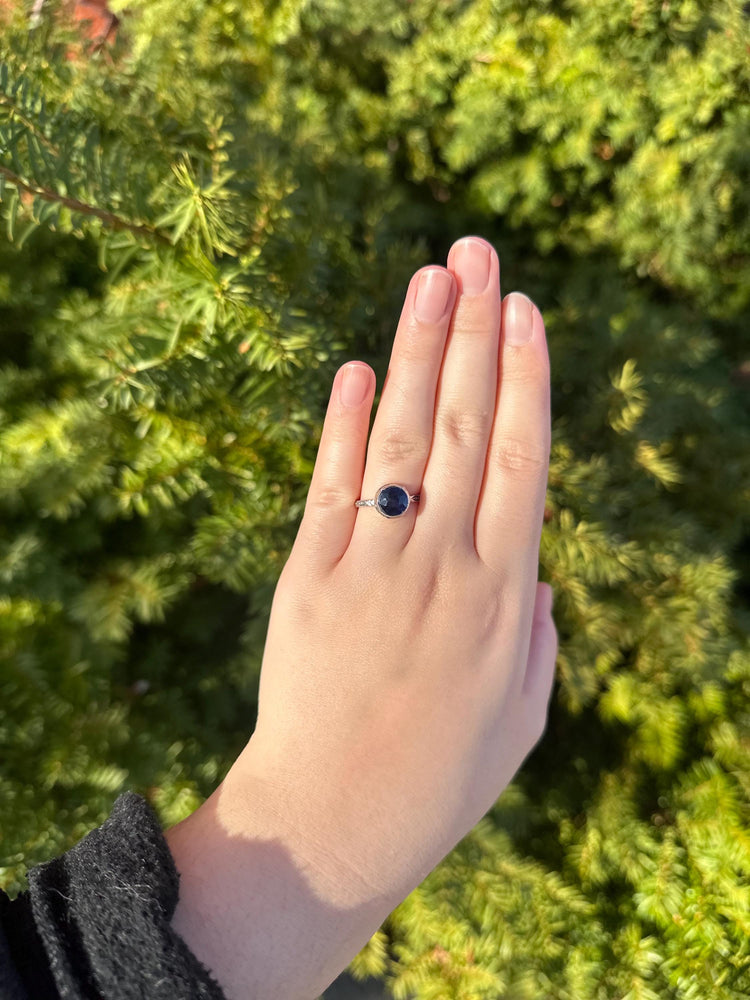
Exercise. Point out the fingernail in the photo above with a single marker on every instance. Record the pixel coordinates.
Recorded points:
(472, 264)
(519, 319)
(355, 384)
(433, 294)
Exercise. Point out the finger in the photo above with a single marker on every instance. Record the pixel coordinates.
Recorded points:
(465, 399)
(330, 514)
(511, 506)
(402, 431)
(540, 665)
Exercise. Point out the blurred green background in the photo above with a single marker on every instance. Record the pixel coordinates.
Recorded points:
(201, 221)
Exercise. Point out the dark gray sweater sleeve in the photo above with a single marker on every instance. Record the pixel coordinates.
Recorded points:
(95, 922)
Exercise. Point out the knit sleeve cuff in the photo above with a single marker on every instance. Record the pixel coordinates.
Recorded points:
(103, 911)
(13, 986)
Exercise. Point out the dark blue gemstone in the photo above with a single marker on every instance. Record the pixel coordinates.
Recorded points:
(393, 500)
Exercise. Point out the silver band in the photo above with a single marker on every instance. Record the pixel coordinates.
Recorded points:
(371, 503)
(391, 500)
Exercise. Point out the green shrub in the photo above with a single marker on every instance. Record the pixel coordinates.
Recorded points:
(202, 224)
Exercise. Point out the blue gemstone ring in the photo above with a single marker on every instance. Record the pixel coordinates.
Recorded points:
(391, 500)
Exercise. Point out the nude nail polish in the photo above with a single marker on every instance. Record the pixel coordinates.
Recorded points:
(355, 383)
(433, 295)
(472, 265)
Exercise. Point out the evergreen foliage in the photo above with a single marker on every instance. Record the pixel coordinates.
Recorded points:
(201, 223)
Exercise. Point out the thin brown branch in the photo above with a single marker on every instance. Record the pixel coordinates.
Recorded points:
(108, 218)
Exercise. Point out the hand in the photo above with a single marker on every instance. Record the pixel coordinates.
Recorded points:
(409, 661)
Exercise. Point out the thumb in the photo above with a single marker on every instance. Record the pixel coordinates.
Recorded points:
(540, 665)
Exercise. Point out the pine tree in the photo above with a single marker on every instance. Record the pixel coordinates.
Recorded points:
(194, 216)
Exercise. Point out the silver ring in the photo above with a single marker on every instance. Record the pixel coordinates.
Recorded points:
(391, 500)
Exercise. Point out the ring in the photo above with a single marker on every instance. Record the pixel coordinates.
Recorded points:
(391, 500)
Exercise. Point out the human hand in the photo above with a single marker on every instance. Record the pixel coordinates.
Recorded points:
(408, 665)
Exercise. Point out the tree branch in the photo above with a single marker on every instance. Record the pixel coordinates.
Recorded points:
(108, 218)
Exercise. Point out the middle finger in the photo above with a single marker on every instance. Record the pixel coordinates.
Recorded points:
(465, 399)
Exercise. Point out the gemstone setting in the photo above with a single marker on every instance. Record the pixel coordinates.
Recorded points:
(392, 500)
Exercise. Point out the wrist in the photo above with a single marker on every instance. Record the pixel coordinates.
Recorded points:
(265, 911)
(315, 824)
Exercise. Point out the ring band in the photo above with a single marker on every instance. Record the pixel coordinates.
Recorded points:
(391, 500)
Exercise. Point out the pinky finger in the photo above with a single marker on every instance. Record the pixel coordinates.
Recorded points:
(540, 666)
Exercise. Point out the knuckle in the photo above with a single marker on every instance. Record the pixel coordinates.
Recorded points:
(397, 449)
(525, 459)
(466, 427)
(329, 497)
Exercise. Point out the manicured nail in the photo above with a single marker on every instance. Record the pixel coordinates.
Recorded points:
(355, 384)
(433, 295)
(472, 263)
(518, 324)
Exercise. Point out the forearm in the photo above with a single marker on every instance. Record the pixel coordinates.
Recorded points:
(265, 920)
